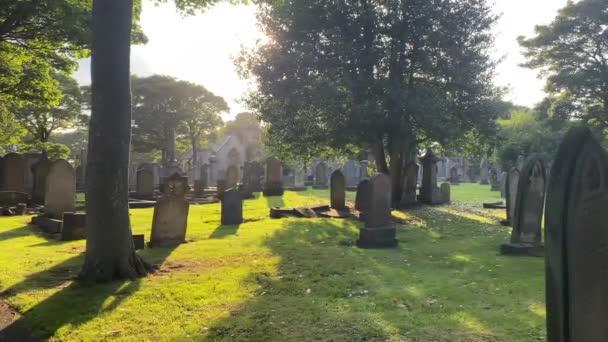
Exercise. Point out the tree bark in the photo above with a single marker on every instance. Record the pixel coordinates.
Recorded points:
(379, 156)
(110, 253)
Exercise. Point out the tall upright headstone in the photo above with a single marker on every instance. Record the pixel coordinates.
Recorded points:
(352, 172)
(576, 224)
(60, 194)
(274, 178)
(511, 194)
(446, 192)
(232, 207)
(454, 176)
(410, 186)
(503, 184)
(40, 171)
(144, 182)
(429, 192)
(363, 196)
(484, 177)
(363, 174)
(31, 158)
(299, 179)
(526, 236)
(338, 190)
(232, 177)
(379, 230)
(321, 175)
(14, 168)
(170, 219)
(494, 180)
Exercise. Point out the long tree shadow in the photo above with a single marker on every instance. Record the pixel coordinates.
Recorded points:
(275, 201)
(224, 231)
(23, 231)
(74, 303)
(444, 282)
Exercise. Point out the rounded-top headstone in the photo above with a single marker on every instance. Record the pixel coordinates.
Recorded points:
(338, 190)
(60, 195)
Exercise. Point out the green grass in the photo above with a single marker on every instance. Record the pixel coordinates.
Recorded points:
(289, 280)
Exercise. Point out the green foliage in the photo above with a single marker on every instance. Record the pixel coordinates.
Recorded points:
(334, 74)
(41, 121)
(53, 150)
(161, 103)
(75, 140)
(289, 280)
(11, 130)
(572, 52)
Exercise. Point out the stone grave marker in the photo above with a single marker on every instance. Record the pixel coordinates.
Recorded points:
(484, 177)
(576, 223)
(429, 192)
(14, 168)
(511, 195)
(60, 195)
(379, 230)
(274, 178)
(362, 198)
(454, 177)
(40, 171)
(232, 207)
(410, 186)
(446, 192)
(170, 219)
(74, 226)
(321, 176)
(145, 182)
(337, 190)
(526, 236)
(351, 173)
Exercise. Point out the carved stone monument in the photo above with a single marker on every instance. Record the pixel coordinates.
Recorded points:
(170, 219)
(274, 178)
(338, 190)
(379, 230)
(60, 194)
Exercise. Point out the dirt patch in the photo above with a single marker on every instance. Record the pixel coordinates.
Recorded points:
(11, 327)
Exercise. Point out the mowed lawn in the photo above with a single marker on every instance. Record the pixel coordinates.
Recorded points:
(289, 280)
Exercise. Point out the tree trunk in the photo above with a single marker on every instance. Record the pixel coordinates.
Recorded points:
(380, 157)
(194, 154)
(110, 253)
(396, 148)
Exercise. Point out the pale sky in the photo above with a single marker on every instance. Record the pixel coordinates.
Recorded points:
(201, 48)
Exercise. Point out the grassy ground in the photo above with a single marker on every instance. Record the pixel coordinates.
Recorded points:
(289, 280)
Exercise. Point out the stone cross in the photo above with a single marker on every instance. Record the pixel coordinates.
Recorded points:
(576, 225)
(379, 230)
(60, 194)
(170, 219)
(337, 190)
(232, 207)
(526, 236)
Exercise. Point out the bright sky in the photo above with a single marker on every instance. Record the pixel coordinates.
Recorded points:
(201, 49)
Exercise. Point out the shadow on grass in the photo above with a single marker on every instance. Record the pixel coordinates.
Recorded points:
(74, 303)
(440, 284)
(223, 231)
(23, 231)
(275, 201)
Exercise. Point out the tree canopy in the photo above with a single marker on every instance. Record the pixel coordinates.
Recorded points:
(572, 52)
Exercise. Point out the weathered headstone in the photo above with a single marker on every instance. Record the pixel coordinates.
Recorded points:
(484, 177)
(503, 184)
(40, 171)
(363, 196)
(31, 158)
(576, 223)
(446, 192)
(526, 237)
(145, 182)
(170, 219)
(14, 167)
(337, 190)
(321, 175)
(511, 195)
(73, 226)
(60, 195)
(429, 192)
(232, 207)
(379, 230)
(410, 186)
(494, 181)
(299, 179)
(274, 177)
(351, 173)
(232, 177)
(454, 177)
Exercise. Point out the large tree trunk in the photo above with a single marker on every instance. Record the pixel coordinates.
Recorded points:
(110, 253)
(379, 156)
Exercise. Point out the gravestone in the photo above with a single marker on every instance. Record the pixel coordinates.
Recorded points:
(274, 177)
(429, 192)
(503, 184)
(454, 177)
(484, 177)
(60, 195)
(170, 219)
(40, 171)
(379, 231)
(351, 173)
(31, 158)
(363, 196)
(363, 174)
(337, 190)
(204, 176)
(232, 207)
(299, 179)
(321, 176)
(526, 236)
(232, 177)
(145, 182)
(410, 186)
(73, 226)
(576, 223)
(511, 195)
(446, 192)
(14, 167)
(494, 181)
